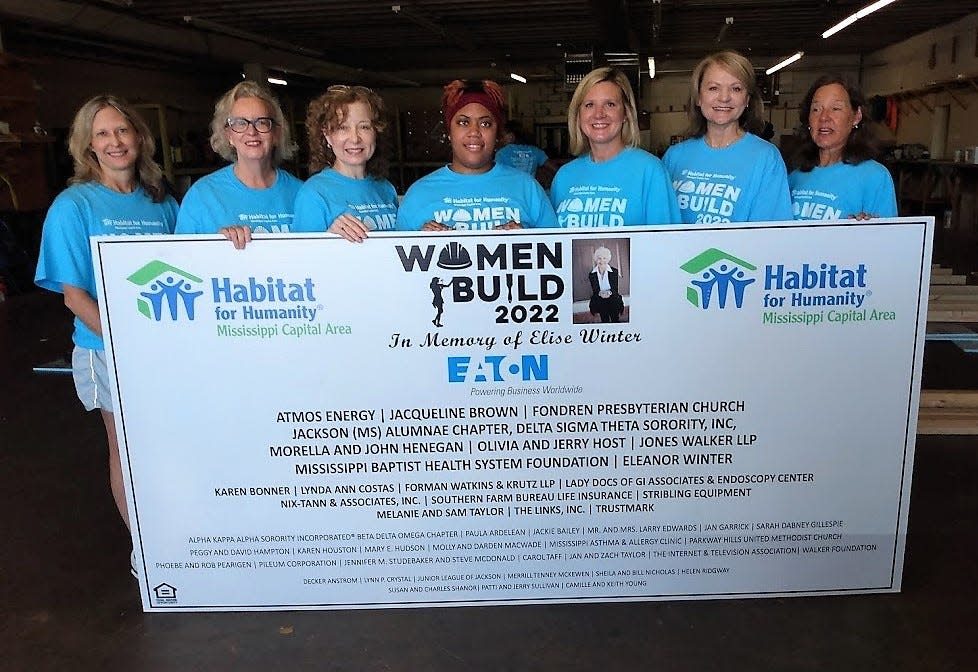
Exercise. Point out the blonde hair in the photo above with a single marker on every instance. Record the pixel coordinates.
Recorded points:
(738, 66)
(87, 167)
(327, 112)
(601, 253)
(284, 148)
(579, 143)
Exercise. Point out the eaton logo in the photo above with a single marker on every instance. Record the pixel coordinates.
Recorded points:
(716, 275)
(166, 290)
(498, 368)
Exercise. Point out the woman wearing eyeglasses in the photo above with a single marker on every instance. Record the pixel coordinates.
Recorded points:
(350, 194)
(253, 193)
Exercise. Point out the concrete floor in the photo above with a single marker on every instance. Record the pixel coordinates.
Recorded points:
(69, 602)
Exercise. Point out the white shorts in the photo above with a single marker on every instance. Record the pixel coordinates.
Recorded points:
(91, 376)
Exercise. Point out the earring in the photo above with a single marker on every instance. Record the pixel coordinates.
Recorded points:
(855, 125)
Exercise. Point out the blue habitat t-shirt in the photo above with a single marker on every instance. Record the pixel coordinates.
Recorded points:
(630, 189)
(522, 157)
(221, 199)
(92, 209)
(841, 190)
(745, 182)
(329, 194)
(482, 201)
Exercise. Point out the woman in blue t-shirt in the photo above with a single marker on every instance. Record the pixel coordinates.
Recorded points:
(724, 172)
(474, 191)
(253, 193)
(835, 176)
(612, 182)
(348, 193)
(117, 189)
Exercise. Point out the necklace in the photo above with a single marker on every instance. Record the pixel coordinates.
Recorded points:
(723, 144)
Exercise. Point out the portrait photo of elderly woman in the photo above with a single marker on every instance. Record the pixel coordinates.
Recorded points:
(600, 280)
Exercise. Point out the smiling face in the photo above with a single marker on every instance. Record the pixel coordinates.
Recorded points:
(115, 142)
(252, 145)
(472, 133)
(831, 119)
(353, 139)
(602, 115)
(722, 97)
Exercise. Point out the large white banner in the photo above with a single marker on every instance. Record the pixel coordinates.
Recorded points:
(441, 419)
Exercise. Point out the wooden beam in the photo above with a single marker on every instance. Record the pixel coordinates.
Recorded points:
(956, 99)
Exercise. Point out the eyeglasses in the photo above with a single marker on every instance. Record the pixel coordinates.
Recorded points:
(261, 124)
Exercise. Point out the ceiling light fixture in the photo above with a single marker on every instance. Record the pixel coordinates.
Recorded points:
(865, 11)
(785, 63)
(651, 67)
(518, 78)
(276, 80)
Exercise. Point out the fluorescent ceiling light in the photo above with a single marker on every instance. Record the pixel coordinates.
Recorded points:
(651, 67)
(785, 63)
(276, 80)
(518, 78)
(865, 11)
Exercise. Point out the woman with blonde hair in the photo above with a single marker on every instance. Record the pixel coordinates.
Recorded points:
(473, 191)
(612, 182)
(348, 194)
(116, 189)
(724, 172)
(252, 193)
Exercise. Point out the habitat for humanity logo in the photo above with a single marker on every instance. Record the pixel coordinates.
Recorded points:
(716, 275)
(165, 285)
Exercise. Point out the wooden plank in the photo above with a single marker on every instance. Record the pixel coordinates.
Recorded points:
(937, 295)
(948, 279)
(955, 290)
(952, 315)
(949, 399)
(950, 331)
(947, 422)
(941, 270)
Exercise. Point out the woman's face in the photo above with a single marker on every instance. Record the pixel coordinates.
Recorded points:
(722, 98)
(354, 140)
(831, 117)
(602, 114)
(115, 142)
(251, 145)
(472, 133)
(602, 263)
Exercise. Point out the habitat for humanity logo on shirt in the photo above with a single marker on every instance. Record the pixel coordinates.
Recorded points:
(267, 222)
(478, 212)
(711, 196)
(592, 205)
(813, 204)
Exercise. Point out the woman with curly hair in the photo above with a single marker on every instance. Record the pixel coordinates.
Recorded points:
(836, 176)
(117, 189)
(349, 194)
(724, 172)
(473, 191)
(252, 193)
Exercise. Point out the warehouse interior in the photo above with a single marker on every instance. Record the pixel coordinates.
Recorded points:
(69, 601)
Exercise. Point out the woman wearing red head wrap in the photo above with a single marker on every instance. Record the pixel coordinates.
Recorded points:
(473, 192)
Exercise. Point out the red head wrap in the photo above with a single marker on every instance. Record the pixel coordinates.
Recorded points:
(487, 93)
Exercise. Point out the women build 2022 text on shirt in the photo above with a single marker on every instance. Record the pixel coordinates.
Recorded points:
(631, 189)
(745, 182)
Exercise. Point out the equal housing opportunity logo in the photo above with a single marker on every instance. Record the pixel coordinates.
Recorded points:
(165, 289)
(716, 275)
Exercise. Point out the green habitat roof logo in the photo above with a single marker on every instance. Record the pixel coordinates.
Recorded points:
(165, 286)
(717, 274)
